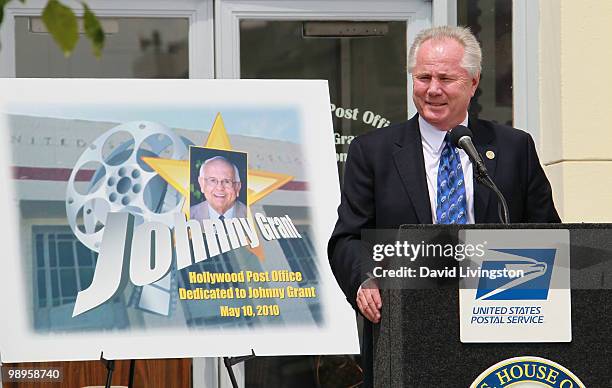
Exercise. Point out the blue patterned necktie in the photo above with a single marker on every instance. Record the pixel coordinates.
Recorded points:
(451, 207)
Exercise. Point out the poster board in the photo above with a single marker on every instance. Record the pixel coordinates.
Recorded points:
(99, 247)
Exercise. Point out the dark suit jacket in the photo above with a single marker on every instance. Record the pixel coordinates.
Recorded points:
(385, 186)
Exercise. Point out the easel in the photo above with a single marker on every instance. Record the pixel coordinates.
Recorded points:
(228, 361)
(110, 368)
(231, 361)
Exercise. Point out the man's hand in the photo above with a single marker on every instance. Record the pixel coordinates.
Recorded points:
(368, 301)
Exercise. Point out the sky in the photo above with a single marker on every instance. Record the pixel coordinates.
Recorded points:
(275, 122)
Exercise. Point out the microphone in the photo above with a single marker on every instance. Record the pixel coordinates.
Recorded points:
(461, 137)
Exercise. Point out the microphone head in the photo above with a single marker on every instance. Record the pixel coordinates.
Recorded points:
(457, 133)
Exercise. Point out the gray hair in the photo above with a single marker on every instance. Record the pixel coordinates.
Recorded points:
(472, 54)
(221, 159)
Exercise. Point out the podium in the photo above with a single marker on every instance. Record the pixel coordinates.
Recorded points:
(417, 343)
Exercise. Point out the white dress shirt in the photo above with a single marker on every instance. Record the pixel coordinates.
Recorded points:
(213, 215)
(432, 140)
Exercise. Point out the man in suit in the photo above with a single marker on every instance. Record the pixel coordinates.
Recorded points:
(219, 181)
(395, 175)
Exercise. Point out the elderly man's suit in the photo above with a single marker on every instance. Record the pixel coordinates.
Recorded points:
(200, 211)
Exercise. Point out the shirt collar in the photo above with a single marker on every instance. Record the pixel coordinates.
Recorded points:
(213, 215)
(433, 136)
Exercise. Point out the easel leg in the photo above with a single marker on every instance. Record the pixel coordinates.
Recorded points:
(231, 361)
(110, 368)
(228, 364)
(109, 376)
(132, 370)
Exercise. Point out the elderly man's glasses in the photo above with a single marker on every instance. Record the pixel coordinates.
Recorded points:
(226, 183)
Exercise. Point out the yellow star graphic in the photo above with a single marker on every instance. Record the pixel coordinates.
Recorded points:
(259, 183)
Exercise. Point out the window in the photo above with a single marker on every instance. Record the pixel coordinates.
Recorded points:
(62, 267)
(491, 22)
(134, 48)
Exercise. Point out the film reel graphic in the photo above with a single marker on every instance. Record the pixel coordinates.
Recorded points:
(110, 176)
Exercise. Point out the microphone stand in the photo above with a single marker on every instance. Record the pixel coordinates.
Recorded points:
(502, 206)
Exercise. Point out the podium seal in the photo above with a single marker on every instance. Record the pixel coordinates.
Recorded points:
(527, 372)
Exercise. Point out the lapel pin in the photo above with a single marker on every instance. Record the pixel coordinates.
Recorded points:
(490, 155)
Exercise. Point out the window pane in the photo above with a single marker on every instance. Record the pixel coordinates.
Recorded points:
(136, 48)
(86, 277)
(42, 287)
(68, 281)
(66, 255)
(40, 251)
(83, 255)
(54, 284)
(52, 252)
(491, 22)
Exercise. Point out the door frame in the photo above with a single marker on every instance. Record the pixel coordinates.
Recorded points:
(526, 66)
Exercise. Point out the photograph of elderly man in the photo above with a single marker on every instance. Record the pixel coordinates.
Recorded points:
(219, 181)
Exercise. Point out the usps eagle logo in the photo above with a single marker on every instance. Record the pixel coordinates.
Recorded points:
(527, 372)
(536, 266)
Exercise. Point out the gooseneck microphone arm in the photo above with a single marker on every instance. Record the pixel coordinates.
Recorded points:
(461, 137)
(502, 206)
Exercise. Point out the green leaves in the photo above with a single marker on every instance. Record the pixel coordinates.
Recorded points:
(62, 24)
(2, 4)
(93, 30)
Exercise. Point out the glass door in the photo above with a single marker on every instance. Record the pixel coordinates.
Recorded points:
(361, 49)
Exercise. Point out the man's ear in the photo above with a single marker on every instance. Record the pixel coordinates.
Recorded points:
(238, 186)
(475, 82)
(202, 182)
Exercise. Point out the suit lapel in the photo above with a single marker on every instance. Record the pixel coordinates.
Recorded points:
(484, 143)
(410, 165)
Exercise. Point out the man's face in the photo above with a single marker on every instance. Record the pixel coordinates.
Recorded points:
(218, 185)
(441, 87)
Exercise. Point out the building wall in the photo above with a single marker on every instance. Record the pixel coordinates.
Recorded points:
(575, 104)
